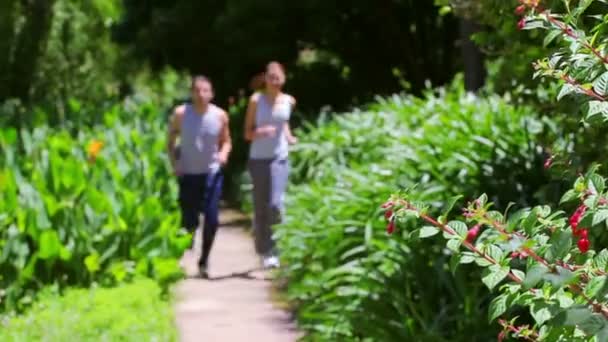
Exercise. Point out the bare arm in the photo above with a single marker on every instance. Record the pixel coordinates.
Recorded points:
(290, 138)
(225, 140)
(174, 130)
(250, 118)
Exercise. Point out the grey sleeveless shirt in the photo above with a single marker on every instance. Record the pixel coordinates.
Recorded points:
(275, 147)
(199, 141)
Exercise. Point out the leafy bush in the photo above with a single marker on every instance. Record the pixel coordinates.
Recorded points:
(95, 206)
(131, 312)
(345, 278)
(532, 252)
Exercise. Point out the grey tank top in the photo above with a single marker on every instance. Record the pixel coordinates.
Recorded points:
(199, 141)
(275, 147)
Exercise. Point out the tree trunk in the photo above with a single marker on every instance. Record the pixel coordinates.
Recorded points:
(474, 71)
(8, 14)
(30, 45)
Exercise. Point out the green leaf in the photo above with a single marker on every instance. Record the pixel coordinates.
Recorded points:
(498, 306)
(566, 90)
(454, 245)
(529, 223)
(598, 182)
(563, 277)
(601, 260)
(534, 274)
(467, 258)
(451, 202)
(561, 242)
(428, 231)
(92, 262)
(574, 315)
(593, 324)
(481, 261)
(600, 216)
(600, 85)
(596, 284)
(494, 275)
(597, 107)
(570, 195)
(541, 312)
(550, 37)
(50, 246)
(459, 227)
(494, 252)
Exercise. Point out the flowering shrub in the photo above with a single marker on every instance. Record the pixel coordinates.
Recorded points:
(347, 279)
(542, 256)
(540, 259)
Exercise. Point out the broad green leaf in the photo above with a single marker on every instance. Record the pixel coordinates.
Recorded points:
(550, 37)
(600, 216)
(534, 274)
(541, 312)
(567, 89)
(482, 261)
(450, 205)
(561, 278)
(459, 227)
(574, 315)
(498, 306)
(561, 242)
(467, 258)
(494, 275)
(495, 253)
(570, 195)
(92, 263)
(596, 108)
(601, 260)
(594, 286)
(428, 231)
(454, 245)
(598, 182)
(600, 85)
(593, 324)
(50, 246)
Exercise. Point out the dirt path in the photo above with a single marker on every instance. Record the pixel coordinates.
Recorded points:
(235, 303)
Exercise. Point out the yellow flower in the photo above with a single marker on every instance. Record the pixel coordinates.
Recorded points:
(94, 148)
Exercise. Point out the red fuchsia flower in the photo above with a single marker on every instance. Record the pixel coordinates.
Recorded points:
(521, 9)
(388, 214)
(521, 24)
(548, 163)
(501, 336)
(575, 219)
(583, 233)
(583, 245)
(390, 227)
(521, 255)
(602, 201)
(387, 205)
(472, 233)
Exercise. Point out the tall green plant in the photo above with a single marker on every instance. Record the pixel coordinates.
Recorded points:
(98, 206)
(346, 279)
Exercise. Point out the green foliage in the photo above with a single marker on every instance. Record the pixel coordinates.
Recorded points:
(95, 206)
(538, 263)
(581, 63)
(346, 278)
(323, 54)
(130, 312)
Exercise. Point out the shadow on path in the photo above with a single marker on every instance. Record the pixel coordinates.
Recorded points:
(248, 275)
